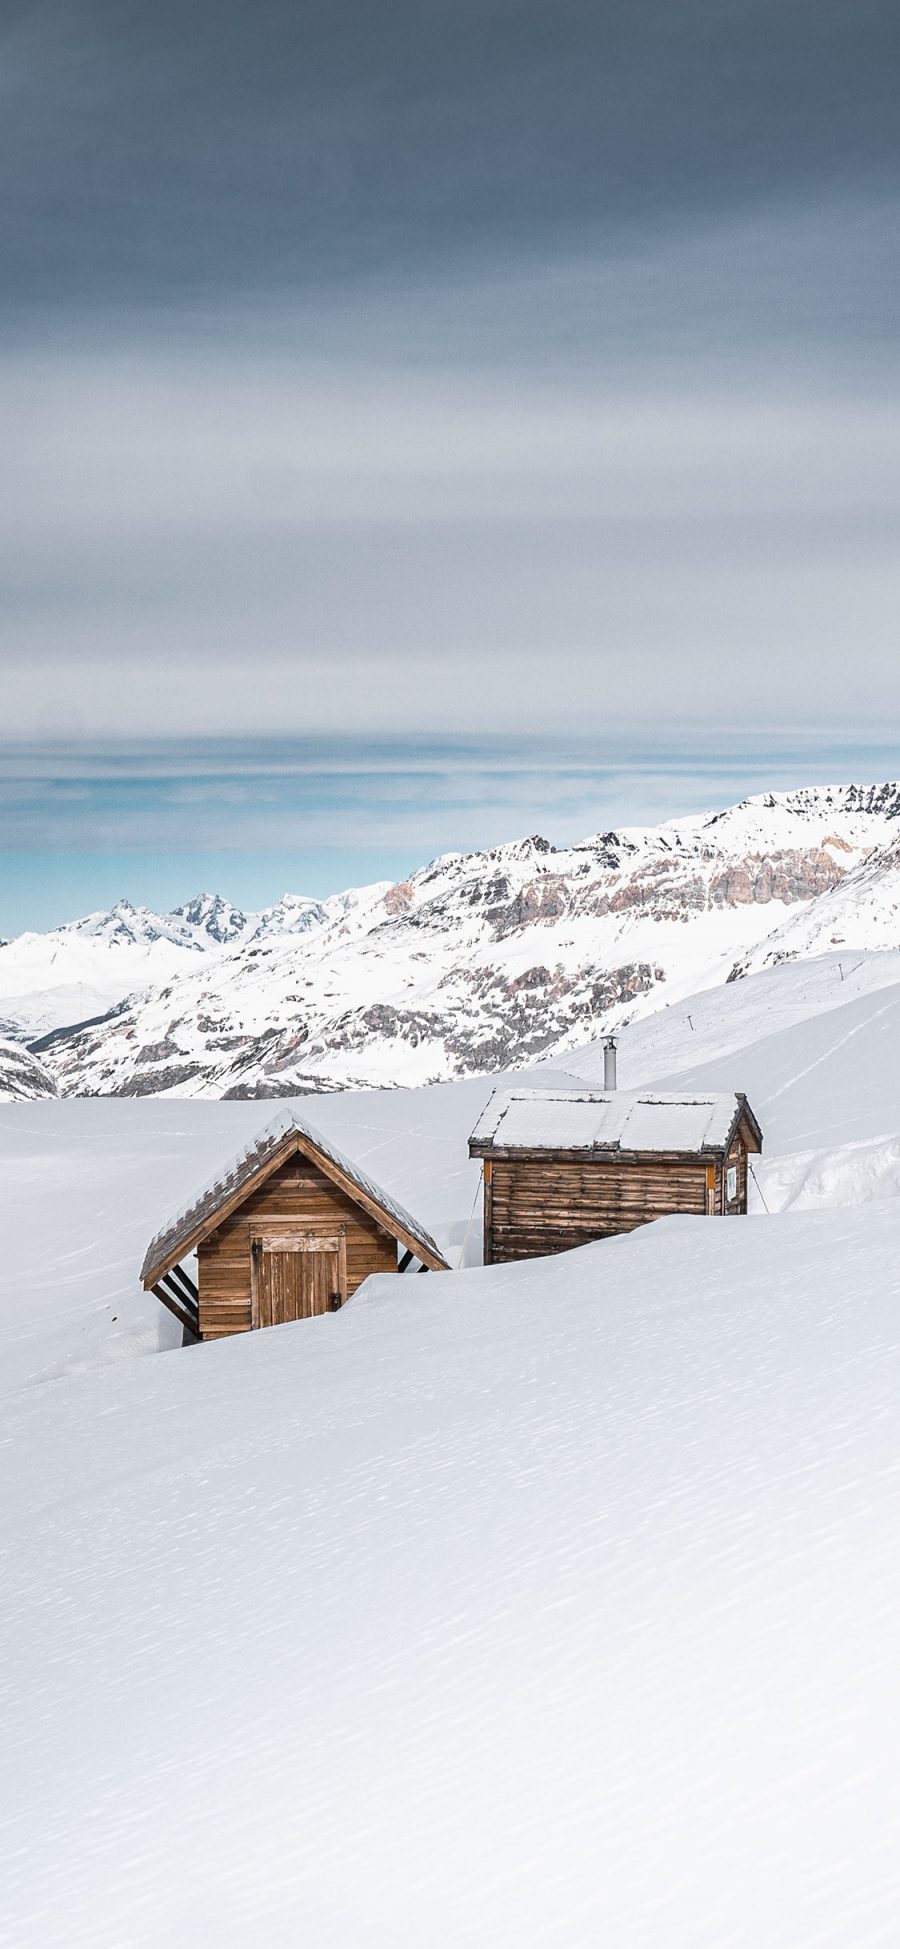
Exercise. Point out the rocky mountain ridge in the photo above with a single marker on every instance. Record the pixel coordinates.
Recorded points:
(495, 959)
(23, 1077)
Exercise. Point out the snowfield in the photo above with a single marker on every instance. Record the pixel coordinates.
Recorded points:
(540, 1606)
(547, 1606)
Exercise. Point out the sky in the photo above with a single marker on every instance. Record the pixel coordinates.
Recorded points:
(489, 409)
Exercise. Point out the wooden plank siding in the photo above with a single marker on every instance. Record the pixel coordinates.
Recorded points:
(551, 1205)
(297, 1197)
(737, 1156)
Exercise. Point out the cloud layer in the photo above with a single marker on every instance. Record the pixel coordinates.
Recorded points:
(235, 530)
(477, 370)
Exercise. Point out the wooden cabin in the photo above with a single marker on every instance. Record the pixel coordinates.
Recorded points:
(289, 1230)
(563, 1167)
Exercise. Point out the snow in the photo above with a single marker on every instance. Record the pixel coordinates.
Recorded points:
(70, 1298)
(720, 1021)
(862, 912)
(816, 1180)
(833, 1080)
(536, 1606)
(846, 815)
(528, 1606)
(572, 1120)
(822, 1073)
(83, 968)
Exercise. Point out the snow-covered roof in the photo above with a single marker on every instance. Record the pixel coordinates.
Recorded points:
(625, 1120)
(200, 1215)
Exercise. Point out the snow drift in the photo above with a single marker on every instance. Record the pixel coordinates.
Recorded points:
(532, 1606)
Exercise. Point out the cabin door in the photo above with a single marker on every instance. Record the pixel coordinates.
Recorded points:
(294, 1278)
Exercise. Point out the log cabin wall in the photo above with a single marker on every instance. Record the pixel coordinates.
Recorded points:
(736, 1160)
(297, 1197)
(535, 1206)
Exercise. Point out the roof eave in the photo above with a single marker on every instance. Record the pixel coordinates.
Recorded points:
(595, 1153)
(211, 1220)
(746, 1115)
(422, 1247)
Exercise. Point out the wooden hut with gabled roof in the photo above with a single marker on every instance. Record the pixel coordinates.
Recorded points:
(288, 1230)
(564, 1167)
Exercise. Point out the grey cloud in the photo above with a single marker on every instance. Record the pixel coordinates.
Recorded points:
(156, 151)
(518, 536)
(475, 362)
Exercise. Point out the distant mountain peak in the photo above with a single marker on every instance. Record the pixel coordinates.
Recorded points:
(292, 913)
(214, 915)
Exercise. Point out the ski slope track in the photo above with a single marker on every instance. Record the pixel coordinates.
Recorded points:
(523, 1607)
(478, 963)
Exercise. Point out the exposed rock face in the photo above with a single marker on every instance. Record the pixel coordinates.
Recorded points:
(214, 916)
(539, 900)
(153, 1082)
(787, 876)
(23, 1079)
(493, 959)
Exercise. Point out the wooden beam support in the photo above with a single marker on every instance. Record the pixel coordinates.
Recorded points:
(184, 1318)
(183, 1279)
(191, 1311)
(178, 1292)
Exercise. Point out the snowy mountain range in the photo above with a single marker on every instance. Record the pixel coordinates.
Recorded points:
(478, 962)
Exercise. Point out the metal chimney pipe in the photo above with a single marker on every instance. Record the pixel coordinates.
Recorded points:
(609, 1062)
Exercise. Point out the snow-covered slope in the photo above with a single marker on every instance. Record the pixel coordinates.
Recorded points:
(491, 960)
(816, 1047)
(862, 911)
(803, 1004)
(530, 1607)
(527, 1606)
(86, 967)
